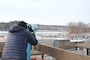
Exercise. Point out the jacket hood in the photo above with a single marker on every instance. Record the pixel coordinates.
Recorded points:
(16, 28)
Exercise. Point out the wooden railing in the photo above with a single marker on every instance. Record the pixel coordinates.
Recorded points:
(60, 54)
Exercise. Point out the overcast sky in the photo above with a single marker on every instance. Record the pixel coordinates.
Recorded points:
(49, 12)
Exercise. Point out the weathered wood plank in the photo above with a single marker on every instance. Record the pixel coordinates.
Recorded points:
(60, 54)
(1, 46)
(84, 45)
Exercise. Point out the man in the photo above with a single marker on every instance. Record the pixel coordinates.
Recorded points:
(16, 43)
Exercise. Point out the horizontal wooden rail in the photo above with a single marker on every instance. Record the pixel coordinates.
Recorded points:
(60, 54)
(84, 45)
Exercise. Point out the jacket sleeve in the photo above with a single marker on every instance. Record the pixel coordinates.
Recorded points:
(32, 39)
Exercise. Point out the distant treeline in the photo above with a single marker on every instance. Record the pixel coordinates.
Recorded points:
(78, 28)
(4, 26)
(53, 27)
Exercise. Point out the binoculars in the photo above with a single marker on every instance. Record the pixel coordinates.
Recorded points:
(32, 28)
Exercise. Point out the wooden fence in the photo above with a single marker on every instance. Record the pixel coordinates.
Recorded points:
(60, 54)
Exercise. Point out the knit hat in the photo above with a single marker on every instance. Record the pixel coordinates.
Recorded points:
(22, 24)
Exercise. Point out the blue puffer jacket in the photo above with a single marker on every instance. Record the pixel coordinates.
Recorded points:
(16, 43)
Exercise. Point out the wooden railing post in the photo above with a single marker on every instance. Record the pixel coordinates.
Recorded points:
(42, 55)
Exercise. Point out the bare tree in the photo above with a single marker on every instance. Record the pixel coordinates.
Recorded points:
(72, 27)
(88, 28)
(82, 27)
(78, 28)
